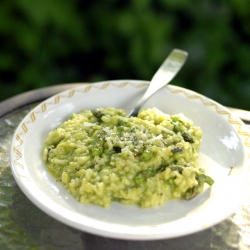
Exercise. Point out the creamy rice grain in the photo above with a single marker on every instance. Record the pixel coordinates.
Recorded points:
(102, 156)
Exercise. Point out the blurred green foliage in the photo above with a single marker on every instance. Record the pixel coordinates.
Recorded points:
(46, 42)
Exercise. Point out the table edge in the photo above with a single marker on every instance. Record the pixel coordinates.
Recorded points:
(13, 103)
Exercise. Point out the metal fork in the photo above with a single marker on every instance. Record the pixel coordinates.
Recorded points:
(163, 76)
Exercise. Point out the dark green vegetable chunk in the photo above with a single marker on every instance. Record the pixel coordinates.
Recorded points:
(176, 150)
(187, 137)
(97, 113)
(194, 191)
(202, 178)
(177, 168)
(117, 149)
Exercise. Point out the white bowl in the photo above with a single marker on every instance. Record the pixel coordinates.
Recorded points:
(224, 153)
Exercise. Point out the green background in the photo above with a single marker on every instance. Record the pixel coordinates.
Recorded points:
(49, 42)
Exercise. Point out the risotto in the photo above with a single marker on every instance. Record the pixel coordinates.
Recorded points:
(102, 156)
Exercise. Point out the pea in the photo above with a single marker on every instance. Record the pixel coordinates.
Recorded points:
(124, 154)
(171, 182)
(179, 127)
(138, 180)
(107, 152)
(175, 119)
(147, 155)
(96, 152)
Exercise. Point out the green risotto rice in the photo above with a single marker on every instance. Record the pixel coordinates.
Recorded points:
(102, 156)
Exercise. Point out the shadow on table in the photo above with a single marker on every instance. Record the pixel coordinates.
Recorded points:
(220, 237)
(48, 233)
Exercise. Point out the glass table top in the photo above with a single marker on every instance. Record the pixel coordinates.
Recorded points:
(24, 226)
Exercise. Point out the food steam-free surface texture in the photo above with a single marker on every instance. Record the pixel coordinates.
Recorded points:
(102, 156)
